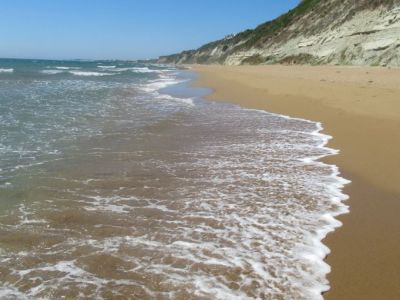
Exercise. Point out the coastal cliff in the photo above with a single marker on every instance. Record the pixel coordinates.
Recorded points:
(345, 32)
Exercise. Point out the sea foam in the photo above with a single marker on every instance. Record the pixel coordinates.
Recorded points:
(89, 73)
(106, 67)
(9, 70)
(162, 196)
(67, 68)
(51, 72)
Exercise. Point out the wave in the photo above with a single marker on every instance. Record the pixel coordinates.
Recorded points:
(89, 73)
(162, 82)
(312, 250)
(10, 70)
(67, 68)
(143, 70)
(242, 210)
(135, 70)
(107, 67)
(51, 72)
(187, 101)
(154, 87)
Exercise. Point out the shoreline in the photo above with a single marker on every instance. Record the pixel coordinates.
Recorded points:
(358, 106)
(316, 249)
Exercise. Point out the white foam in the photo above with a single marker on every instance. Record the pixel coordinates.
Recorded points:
(6, 185)
(188, 101)
(165, 80)
(10, 292)
(135, 70)
(110, 204)
(67, 68)
(314, 250)
(245, 197)
(51, 72)
(88, 73)
(10, 70)
(143, 70)
(107, 67)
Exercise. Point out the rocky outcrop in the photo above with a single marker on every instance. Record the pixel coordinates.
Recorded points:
(362, 32)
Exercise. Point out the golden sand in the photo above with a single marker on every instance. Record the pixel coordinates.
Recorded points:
(360, 108)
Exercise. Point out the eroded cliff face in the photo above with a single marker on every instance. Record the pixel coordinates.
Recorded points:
(352, 32)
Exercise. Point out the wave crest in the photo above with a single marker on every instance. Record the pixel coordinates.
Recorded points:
(10, 70)
(89, 73)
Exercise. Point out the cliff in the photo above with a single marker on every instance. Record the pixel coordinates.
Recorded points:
(346, 32)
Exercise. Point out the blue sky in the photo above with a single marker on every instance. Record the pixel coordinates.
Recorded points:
(124, 29)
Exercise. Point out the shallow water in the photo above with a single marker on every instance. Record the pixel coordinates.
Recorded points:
(113, 186)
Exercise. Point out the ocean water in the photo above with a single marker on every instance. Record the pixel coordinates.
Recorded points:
(118, 181)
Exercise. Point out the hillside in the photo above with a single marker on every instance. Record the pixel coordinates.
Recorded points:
(346, 32)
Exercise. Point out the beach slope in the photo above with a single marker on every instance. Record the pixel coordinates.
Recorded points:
(360, 108)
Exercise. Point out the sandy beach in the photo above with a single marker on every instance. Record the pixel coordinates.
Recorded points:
(360, 108)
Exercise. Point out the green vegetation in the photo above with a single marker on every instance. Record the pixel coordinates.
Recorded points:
(269, 29)
(263, 31)
(299, 59)
(251, 37)
(253, 60)
(306, 19)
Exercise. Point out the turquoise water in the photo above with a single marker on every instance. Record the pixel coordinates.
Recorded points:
(118, 181)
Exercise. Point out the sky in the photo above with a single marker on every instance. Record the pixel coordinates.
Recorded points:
(124, 29)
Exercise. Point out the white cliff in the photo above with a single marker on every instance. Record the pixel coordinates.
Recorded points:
(362, 32)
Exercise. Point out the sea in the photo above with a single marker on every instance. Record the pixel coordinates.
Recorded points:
(118, 180)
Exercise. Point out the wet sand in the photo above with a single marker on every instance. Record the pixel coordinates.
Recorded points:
(360, 108)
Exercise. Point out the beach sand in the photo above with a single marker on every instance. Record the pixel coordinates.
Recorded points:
(360, 108)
